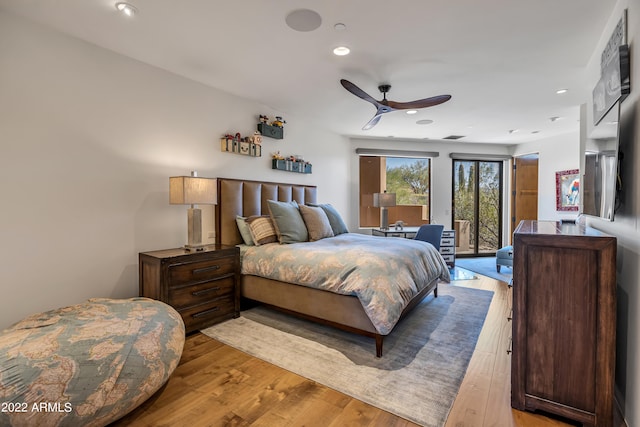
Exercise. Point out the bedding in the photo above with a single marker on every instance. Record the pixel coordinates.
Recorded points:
(384, 273)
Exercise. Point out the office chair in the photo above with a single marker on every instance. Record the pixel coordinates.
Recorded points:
(431, 233)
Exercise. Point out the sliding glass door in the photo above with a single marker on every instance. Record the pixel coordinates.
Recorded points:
(477, 206)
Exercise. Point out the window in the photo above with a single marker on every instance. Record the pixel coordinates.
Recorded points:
(477, 206)
(408, 177)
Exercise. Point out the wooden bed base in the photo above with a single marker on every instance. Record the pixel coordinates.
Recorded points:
(246, 198)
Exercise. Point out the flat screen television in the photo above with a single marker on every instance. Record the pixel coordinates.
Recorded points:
(601, 167)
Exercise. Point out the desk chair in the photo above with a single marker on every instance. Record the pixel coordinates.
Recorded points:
(431, 233)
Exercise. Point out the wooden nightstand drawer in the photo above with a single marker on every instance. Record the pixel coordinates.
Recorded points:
(185, 296)
(198, 272)
(208, 313)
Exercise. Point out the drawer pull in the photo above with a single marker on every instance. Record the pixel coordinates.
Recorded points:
(205, 291)
(205, 313)
(206, 269)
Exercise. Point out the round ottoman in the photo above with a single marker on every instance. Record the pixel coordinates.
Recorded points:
(87, 364)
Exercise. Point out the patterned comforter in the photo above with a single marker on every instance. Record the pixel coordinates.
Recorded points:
(384, 273)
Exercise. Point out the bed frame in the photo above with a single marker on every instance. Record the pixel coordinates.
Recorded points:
(246, 198)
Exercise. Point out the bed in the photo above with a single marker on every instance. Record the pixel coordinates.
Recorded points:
(343, 308)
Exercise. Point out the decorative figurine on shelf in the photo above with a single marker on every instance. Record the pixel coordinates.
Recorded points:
(399, 225)
(264, 119)
(257, 138)
(277, 156)
(278, 122)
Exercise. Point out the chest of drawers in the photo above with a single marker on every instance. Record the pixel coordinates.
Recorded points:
(202, 286)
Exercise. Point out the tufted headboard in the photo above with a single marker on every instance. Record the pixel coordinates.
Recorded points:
(246, 198)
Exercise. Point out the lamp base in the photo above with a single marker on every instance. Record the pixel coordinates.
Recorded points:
(384, 218)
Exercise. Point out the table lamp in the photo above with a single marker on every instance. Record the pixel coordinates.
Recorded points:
(193, 190)
(382, 201)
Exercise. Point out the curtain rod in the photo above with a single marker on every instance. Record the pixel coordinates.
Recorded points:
(472, 156)
(395, 153)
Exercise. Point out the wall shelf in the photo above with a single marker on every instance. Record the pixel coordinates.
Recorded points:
(240, 147)
(274, 132)
(290, 166)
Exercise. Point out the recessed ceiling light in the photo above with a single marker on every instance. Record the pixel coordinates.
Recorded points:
(340, 26)
(412, 111)
(561, 91)
(555, 118)
(126, 8)
(424, 122)
(303, 20)
(341, 51)
(514, 130)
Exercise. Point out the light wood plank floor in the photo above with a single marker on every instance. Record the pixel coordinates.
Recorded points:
(216, 385)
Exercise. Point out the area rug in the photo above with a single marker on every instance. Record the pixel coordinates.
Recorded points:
(424, 359)
(487, 267)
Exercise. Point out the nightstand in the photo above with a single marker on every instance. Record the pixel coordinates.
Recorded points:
(204, 287)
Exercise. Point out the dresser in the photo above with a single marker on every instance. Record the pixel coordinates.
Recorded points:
(564, 321)
(448, 247)
(204, 287)
(447, 244)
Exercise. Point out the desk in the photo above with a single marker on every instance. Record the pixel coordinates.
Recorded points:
(406, 232)
(447, 244)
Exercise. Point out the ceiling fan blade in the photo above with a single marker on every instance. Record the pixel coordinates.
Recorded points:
(358, 92)
(374, 121)
(421, 103)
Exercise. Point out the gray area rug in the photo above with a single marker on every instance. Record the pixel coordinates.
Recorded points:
(424, 359)
(485, 266)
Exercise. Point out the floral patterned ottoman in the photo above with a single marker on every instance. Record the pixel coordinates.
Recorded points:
(87, 364)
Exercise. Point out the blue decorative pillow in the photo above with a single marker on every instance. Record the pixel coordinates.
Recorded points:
(337, 224)
(288, 222)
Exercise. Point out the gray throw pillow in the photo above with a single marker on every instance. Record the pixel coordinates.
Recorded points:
(288, 222)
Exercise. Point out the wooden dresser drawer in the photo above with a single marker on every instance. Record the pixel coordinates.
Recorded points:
(202, 271)
(206, 314)
(185, 296)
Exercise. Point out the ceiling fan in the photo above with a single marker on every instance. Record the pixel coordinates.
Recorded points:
(386, 106)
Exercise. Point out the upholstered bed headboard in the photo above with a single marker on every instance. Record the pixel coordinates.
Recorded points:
(246, 198)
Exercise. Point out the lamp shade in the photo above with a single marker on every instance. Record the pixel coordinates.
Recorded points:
(192, 190)
(382, 200)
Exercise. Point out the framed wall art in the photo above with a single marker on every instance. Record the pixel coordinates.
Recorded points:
(568, 190)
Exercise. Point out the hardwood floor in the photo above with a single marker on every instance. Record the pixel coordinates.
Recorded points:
(216, 385)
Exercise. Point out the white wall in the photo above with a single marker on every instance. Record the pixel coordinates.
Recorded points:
(555, 154)
(625, 226)
(88, 139)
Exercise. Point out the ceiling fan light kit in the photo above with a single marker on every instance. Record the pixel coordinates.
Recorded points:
(385, 106)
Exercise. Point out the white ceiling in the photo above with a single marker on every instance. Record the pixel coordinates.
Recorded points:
(500, 60)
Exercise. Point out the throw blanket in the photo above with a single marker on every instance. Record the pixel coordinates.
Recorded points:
(383, 272)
